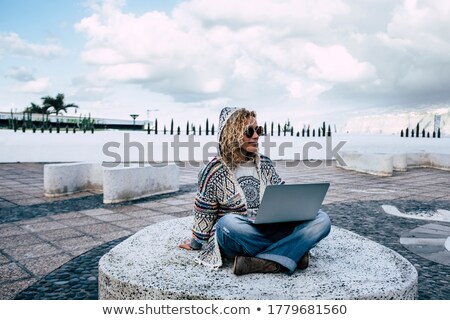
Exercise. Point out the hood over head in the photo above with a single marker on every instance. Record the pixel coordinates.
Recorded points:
(225, 115)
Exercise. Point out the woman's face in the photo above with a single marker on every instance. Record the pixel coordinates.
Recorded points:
(250, 144)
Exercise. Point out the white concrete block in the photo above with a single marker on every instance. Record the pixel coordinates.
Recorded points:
(399, 162)
(380, 163)
(149, 265)
(439, 161)
(418, 160)
(373, 163)
(130, 183)
(67, 178)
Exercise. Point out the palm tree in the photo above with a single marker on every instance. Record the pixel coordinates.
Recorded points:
(33, 108)
(57, 104)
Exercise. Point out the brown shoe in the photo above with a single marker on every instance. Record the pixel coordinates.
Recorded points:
(244, 265)
(304, 262)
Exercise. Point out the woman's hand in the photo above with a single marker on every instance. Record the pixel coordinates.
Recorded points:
(186, 245)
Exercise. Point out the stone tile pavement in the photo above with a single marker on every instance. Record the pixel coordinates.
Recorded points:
(38, 235)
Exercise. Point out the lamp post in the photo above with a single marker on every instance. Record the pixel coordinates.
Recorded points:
(134, 116)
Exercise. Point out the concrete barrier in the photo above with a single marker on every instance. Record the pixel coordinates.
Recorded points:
(130, 183)
(383, 164)
(439, 161)
(149, 265)
(399, 162)
(118, 184)
(418, 160)
(374, 163)
(67, 178)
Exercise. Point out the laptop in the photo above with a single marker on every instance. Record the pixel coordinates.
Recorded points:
(291, 202)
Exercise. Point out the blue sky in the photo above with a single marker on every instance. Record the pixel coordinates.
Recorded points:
(308, 61)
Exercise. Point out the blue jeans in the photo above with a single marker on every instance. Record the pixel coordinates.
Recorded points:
(284, 243)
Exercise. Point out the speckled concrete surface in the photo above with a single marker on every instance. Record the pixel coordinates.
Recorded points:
(149, 265)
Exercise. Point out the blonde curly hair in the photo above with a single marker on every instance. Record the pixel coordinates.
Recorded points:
(231, 138)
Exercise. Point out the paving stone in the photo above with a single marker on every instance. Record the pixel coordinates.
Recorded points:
(3, 259)
(43, 226)
(11, 271)
(19, 240)
(152, 205)
(32, 251)
(74, 244)
(10, 289)
(98, 229)
(96, 212)
(59, 234)
(112, 217)
(134, 224)
(81, 221)
(11, 230)
(114, 235)
(44, 265)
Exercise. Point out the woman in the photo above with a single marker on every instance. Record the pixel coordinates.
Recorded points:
(230, 188)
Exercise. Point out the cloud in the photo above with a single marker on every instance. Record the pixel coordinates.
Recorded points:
(22, 74)
(408, 48)
(11, 43)
(293, 53)
(336, 64)
(39, 85)
(221, 48)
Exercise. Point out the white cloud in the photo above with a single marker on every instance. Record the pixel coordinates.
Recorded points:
(289, 15)
(39, 85)
(20, 74)
(210, 47)
(293, 53)
(11, 43)
(299, 91)
(336, 64)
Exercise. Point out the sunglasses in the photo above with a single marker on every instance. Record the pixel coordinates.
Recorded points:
(250, 131)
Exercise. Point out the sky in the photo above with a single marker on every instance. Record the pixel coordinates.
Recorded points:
(302, 60)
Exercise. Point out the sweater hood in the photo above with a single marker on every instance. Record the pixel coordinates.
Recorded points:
(225, 115)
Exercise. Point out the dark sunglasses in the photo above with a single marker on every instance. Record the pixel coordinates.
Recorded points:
(250, 131)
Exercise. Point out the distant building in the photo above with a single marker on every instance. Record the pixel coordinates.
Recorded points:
(71, 121)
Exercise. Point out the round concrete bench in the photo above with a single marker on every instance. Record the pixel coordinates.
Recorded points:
(149, 265)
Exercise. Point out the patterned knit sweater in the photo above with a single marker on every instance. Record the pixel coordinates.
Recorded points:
(219, 193)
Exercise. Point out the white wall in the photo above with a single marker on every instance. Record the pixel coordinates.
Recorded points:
(62, 147)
